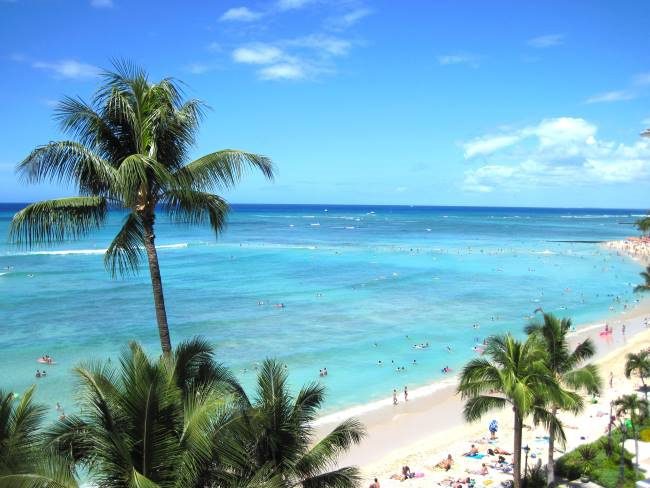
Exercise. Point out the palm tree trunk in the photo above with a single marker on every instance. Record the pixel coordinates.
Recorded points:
(550, 465)
(156, 284)
(636, 447)
(516, 453)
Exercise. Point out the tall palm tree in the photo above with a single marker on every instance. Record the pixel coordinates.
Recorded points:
(637, 409)
(511, 373)
(639, 363)
(130, 149)
(277, 430)
(155, 423)
(565, 365)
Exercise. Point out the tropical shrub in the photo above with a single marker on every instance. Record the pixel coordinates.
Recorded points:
(602, 469)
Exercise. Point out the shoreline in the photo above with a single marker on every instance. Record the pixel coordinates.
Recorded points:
(433, 415)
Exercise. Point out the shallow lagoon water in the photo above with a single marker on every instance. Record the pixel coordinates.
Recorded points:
(358, 284)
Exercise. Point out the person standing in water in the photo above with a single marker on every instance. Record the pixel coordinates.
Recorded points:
(394, 397)
(406, 394)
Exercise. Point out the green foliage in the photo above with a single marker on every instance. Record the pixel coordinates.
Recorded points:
(535, 478)
(178, 421)
(277, 429)
(592, 459)
(645, 286)
(20, 419)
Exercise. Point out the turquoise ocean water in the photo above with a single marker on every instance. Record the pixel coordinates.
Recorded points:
(355, 282)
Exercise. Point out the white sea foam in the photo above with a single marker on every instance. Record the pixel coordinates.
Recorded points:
(88, 252)
(359, 410)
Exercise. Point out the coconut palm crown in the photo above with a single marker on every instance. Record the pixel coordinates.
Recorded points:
(638, 363)
(566, 366)
(130, 148)
(154, 423)
(511, 374)
(278, 432)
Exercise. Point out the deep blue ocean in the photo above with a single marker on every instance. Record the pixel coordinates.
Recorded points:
(359, 284)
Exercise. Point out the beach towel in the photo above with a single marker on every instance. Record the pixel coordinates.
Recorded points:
(475, 456)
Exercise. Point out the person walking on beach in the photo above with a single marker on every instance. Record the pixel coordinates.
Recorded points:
(611, 380)
(406, 394)
(493, 427)
(375, 484)
(394, 397)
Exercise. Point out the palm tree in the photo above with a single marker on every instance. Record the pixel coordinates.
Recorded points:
(639, 363)
(277, 428)
(511, 373)
(130, 150)
(646, 281)
(637, 409)
(23, 462)
(564, 364)
(155, 424)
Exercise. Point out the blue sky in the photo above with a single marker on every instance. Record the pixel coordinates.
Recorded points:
(361, 101)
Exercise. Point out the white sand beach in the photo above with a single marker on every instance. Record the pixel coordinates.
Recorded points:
(421, 432)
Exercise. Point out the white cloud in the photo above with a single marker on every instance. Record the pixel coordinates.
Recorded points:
(240, 14)
(561, 131)
(101, 3)
(449, 59)
(282, 71)
(489, 144)
(637, 87)
(198, 68)
(351, 18)
(257, 54)
(401, 189)
(611, 96)
(324, 44)
(68, 68)
(294, 59)
(548, 40)
(556, 152)
(292, 4)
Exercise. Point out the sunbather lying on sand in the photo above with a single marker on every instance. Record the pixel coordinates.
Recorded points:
(481, 472)
(446, 463)
(473, 451)
(497, 450)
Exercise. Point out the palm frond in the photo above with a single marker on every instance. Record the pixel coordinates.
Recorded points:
(477, 406)
(68, 161)
(325, 453)
(53, 221)
(223, 169)
(347, 477)
(125, 251)
(196, 208)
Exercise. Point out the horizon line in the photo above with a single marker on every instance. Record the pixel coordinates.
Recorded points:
(407, 205)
